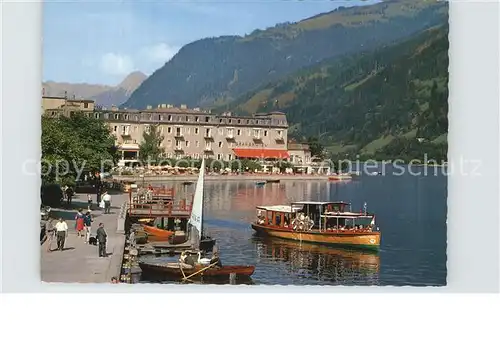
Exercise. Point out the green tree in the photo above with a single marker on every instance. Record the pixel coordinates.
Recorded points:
(150, 147)
(315, 146)
(78, 144)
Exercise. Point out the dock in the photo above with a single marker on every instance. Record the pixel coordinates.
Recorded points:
(80, 262)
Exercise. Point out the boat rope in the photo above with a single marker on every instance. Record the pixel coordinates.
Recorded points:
(201, 270)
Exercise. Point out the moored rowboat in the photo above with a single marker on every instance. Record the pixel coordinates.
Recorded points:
(157, 232)
(174, 270)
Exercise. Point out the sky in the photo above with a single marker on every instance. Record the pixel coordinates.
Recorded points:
(101, 41)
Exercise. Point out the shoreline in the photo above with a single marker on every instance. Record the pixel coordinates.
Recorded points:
(241, 177)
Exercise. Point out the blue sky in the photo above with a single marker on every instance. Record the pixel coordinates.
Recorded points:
(101, 42)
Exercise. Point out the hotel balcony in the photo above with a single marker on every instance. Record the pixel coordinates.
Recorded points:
(208, 149)
(230, 137)
(280, 140)
(209, 137)
(179, 136)
(125, 133)
(178, 148)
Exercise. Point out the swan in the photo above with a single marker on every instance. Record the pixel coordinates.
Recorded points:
(203, 260)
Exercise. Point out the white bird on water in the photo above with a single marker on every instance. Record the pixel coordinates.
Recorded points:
(203, 260)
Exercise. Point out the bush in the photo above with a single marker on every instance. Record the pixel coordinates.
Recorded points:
(51, 195)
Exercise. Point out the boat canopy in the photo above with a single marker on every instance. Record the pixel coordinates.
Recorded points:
(278, 208)
(321, 203)
(346, 215)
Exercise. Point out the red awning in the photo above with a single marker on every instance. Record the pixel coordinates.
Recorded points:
(261, 153)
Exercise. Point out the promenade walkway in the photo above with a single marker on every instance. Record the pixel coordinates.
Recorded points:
(80, 262)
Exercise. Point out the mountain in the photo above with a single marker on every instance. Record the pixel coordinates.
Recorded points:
(217, 70)
(387, 102)
(104, 95)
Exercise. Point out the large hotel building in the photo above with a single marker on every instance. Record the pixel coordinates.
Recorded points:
(194, 133)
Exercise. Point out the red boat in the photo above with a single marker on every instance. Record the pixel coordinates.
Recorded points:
(157, 233)
(196, 272)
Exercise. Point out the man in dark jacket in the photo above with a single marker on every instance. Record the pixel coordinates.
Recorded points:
(101, 237)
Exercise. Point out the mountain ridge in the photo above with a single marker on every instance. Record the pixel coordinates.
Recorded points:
(384, 102)
(215, 71)
(103, 95)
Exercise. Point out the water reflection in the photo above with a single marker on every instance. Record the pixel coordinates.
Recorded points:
(411, 213)
(320, 263)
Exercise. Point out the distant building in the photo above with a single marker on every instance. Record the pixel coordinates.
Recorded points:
(54, 105)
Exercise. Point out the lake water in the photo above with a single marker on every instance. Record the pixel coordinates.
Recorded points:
(410, 211)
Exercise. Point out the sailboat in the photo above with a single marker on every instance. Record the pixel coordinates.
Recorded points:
(195, 224)
(202, 268)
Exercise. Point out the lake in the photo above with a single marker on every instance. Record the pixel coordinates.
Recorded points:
(410, 211)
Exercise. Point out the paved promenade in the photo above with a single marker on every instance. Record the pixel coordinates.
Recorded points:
(80, 262)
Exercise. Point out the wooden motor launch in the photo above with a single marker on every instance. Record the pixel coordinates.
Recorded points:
(319, 222)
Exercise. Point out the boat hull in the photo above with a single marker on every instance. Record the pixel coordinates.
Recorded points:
(174, 271)
(157, 232)
(365, 240)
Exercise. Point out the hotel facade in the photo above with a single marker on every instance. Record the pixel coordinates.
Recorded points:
(196, 133)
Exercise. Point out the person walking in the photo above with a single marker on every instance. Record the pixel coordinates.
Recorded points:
(80, 223)
(101, 237)
(50, 232)
(89, 201)
(62, 233)
(69, 195)
(107, 202)
(87, 221)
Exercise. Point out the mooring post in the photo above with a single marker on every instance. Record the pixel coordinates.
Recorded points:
(232, 278)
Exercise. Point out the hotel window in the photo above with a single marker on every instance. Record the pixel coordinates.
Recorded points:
(115, 128)
(188, 130)
(265, 133)
(197, 119)
(280, 133)
(126, 117)
(169, 118)
(116, 115)
(220, 143)
(229, 121)
(229, 157)
(248, 121)
(187, 143)
(219, 156)
(197, 143)
(85, 105)
(160, 117)
(239, 121)
(220, 120)
(169, 130)
(238, 132)
(208, 132)
(256, 133)
(207, 119)
(196, 131)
